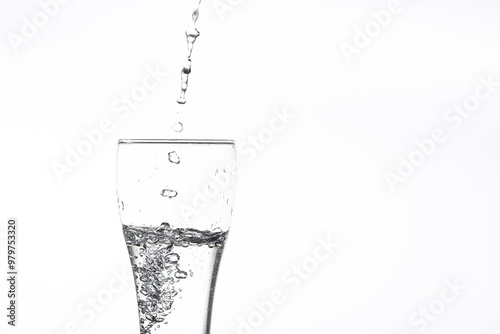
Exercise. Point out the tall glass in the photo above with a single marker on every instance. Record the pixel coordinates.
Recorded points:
(175, 200)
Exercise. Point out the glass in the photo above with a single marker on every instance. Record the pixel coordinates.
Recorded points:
(175, 200)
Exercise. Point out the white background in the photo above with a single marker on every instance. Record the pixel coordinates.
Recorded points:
(323, 175)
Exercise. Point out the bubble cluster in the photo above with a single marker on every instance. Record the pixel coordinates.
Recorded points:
(157, 266)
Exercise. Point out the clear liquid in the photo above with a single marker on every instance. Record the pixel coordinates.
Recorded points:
(191, 35)
(175, 272)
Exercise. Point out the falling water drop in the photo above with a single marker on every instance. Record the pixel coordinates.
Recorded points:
(191, 35)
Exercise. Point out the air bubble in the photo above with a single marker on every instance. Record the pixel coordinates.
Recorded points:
(172, 258)
(165, 250)
(178, 127)
(164, 227)
(169, 193)
(152, 239)
(173, 157)
(181, 274)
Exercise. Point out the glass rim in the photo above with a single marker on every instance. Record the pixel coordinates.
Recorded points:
(178, 141)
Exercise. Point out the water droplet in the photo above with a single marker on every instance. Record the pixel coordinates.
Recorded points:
(187, 67)
(178, 127)
(169, 193)
(192, 32)
(173, 157)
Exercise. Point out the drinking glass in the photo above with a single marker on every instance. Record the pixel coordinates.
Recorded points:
(175, 199)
